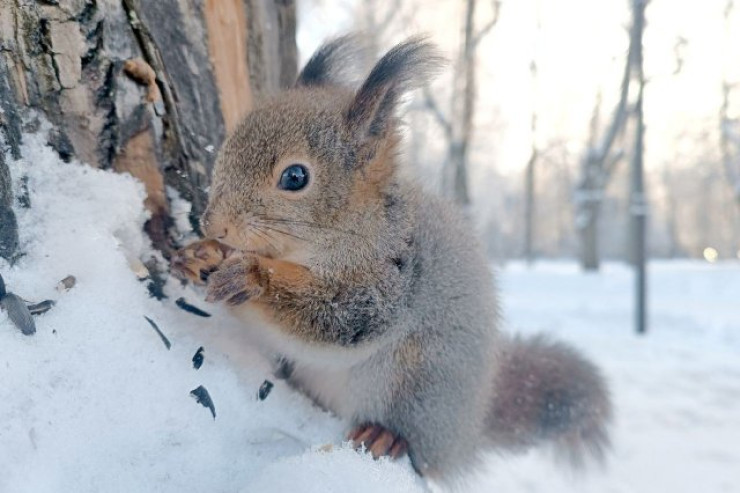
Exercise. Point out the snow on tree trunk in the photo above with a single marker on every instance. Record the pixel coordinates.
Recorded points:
(149, 88)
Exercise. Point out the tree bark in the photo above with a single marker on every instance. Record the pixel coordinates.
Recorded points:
(149, 88)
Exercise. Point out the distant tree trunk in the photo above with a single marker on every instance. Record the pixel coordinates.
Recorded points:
(458, 127)
(149, 88)
(597, 166)
(463, 109)
(589, 229)
(529, 174)
(529, 206)
(670, 207)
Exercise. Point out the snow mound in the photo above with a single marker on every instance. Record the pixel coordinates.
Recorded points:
(94, 401)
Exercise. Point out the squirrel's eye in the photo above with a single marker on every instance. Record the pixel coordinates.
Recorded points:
(294, 178)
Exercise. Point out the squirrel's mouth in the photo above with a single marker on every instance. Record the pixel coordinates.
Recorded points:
(261, 253)
(253, 239)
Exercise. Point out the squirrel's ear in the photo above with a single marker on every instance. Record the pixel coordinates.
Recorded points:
(339, 62)
(407, 66)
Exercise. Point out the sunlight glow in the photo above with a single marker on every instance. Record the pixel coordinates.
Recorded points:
(710, 254)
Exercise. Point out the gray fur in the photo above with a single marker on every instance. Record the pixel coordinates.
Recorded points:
(392, 317)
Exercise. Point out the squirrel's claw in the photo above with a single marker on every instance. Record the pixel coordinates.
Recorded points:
(235, 282)
(378, 441)
(197, 261)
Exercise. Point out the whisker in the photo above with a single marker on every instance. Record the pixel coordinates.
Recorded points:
(283, 232)
(263, 234)
(309, 225)
(272, 239)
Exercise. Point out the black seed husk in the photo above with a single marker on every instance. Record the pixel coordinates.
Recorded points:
(198, 358)
(41, 307)
(191, 308)
(166, 341)
(18, 313)
(203, 398)
(264, 390)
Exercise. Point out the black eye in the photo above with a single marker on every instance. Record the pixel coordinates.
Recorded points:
(294, 178)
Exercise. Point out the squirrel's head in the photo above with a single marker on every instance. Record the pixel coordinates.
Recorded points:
(298, 165)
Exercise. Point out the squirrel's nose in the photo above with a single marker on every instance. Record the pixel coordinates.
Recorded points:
(220, 233)
(211, 228)
(215, 231)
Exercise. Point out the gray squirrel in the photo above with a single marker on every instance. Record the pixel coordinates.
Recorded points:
(373, 297)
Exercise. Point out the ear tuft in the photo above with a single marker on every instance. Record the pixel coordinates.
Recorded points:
(340, 62)
(406, 66)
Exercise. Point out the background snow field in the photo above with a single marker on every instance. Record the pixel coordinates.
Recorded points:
(95, 402)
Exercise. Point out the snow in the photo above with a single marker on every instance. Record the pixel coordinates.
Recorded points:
(676, 390)
(95, 402)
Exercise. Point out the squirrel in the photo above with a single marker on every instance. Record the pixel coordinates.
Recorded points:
(371, 296)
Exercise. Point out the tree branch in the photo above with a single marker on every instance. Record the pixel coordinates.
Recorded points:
(482, 32)
(390, 14)
(431, 104)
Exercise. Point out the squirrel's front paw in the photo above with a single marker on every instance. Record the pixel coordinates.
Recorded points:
(236, 281)
(198, 260)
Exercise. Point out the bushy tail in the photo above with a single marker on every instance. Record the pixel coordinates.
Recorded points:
(547, 392)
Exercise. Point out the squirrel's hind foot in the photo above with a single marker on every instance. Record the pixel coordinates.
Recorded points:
(378, 440)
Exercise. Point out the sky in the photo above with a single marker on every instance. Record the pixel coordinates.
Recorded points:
(579, 49)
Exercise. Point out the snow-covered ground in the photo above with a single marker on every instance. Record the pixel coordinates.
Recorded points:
(95, 402)
(676, 390)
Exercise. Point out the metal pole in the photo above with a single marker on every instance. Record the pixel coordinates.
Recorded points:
(638, 205)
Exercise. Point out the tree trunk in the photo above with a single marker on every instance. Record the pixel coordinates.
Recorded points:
(149, 88)
(598, 164)
(461, 143)
(589, 229)
(529, 206)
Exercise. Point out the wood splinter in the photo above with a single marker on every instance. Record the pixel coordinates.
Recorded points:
(143, 73)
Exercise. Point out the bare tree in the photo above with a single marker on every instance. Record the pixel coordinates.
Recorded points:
(597, 166)
(458, 128)
(147, 88)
